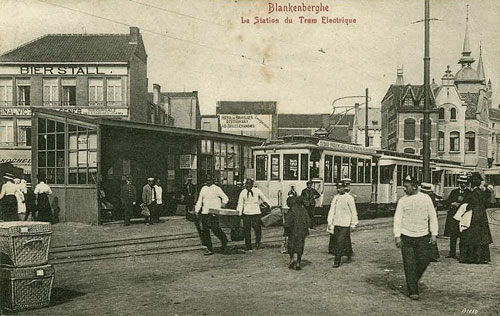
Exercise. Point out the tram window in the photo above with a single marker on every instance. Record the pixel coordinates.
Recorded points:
(275, 167)
(328, 169)
(361, 170)
(314, 164)
(405, 172)
(386, 174)
(337, 167)
(290, 167)
(400, 175)
(410, 170)
(304, 170)
(367, 171)
(354, 170)
(345, 168)
(261, 167)
(374, 172)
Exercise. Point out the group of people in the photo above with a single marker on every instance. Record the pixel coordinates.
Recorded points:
(416, 226)
(18, 202)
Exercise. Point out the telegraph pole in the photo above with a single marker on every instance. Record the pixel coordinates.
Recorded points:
(427, 106)
(367, 139)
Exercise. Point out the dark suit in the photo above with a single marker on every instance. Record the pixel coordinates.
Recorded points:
(451, 227)
(128, 196)
(189, 192)
(309, 196)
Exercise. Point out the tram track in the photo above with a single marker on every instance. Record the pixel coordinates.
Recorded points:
(159, 245)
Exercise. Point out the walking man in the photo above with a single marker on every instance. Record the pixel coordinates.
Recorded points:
(309, 196)
(249, 206)
(128, 197)
(189, 191)
(456, 198)
(415, 216)
(149, 198)
(341, 218)
(211, 196)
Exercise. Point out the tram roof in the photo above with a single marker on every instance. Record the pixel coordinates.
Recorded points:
(395, 154)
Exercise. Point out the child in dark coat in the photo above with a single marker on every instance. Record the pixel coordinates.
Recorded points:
(296, 229)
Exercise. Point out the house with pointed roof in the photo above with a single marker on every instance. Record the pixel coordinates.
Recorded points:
(90, 74)
(402, 118)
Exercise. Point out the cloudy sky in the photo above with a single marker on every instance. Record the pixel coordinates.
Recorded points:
(203, 45)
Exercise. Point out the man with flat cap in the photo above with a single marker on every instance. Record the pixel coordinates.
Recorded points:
(128, 197)
(456, 198)
(415, 228)
(309, 196)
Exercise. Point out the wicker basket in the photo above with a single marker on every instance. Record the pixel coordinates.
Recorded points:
(24, 244)
(25, 288)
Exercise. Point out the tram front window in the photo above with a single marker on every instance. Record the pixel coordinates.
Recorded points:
(386, 174)
(261, 167)
(291, 167)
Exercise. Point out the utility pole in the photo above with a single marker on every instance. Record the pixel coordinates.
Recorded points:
(427, 106)
(367, 139)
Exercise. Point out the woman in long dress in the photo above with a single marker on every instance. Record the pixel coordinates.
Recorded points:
(42, 192)
(296, 226)
(8, 199)
(20, 196)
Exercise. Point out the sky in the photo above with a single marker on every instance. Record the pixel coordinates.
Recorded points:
(202, 45)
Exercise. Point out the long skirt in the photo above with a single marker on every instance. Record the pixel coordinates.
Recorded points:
(296, 244)
(341, 241)
(475, 253)
(44, 209)
(9, 208)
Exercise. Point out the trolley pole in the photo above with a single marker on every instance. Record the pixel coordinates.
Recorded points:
(367, 139)
(427, 108)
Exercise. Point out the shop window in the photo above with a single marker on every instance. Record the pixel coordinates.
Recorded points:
(261, 167)
(68, 91)
(82, 156)
(440, 141)
(23, 92)
(454, 141)
(304, 170)
(6, 132)
(51, 151)
(290, 167)
(328, 169)
(441, 114)
(114, 91)
(50, 92)
(409, 129)
(96, 97)
(470, 141)
(275, 167)
(453, 114)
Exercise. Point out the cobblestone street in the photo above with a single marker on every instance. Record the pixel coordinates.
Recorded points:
(259, 283)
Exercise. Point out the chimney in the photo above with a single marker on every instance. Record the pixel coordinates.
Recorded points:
(156, 93)
(134, 35)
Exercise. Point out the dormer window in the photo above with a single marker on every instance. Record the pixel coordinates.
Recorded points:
(408, 101)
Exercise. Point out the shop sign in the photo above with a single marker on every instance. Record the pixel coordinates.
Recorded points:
(245, 122)
(63, 70)
(17, 111)
(185, 162)
(170, 174)
(100, 111)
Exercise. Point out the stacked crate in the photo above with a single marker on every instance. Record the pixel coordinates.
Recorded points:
(26, 278)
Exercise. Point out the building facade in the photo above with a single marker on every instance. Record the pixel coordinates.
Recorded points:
(89, 74)
(183, 107)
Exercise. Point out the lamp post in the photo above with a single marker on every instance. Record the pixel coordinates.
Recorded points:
(427, 106)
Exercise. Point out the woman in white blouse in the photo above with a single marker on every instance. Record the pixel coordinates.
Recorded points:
(42, 192)
(8, 198)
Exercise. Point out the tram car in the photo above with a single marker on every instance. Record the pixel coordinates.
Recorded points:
(492, 177)
(376, 176)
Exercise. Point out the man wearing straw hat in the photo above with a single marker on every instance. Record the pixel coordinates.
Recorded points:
(415, 227)
(8, 198)
(456, 198)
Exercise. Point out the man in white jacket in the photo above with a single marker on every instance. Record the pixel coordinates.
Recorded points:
(341, 218)
(211, 196)
(249, 206)
(414, 218)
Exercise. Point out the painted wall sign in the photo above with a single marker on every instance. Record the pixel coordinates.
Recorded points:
(63, 70)
(245, 122)
(95, 111)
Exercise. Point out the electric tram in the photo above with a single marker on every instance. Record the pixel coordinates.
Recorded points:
(376, 175)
